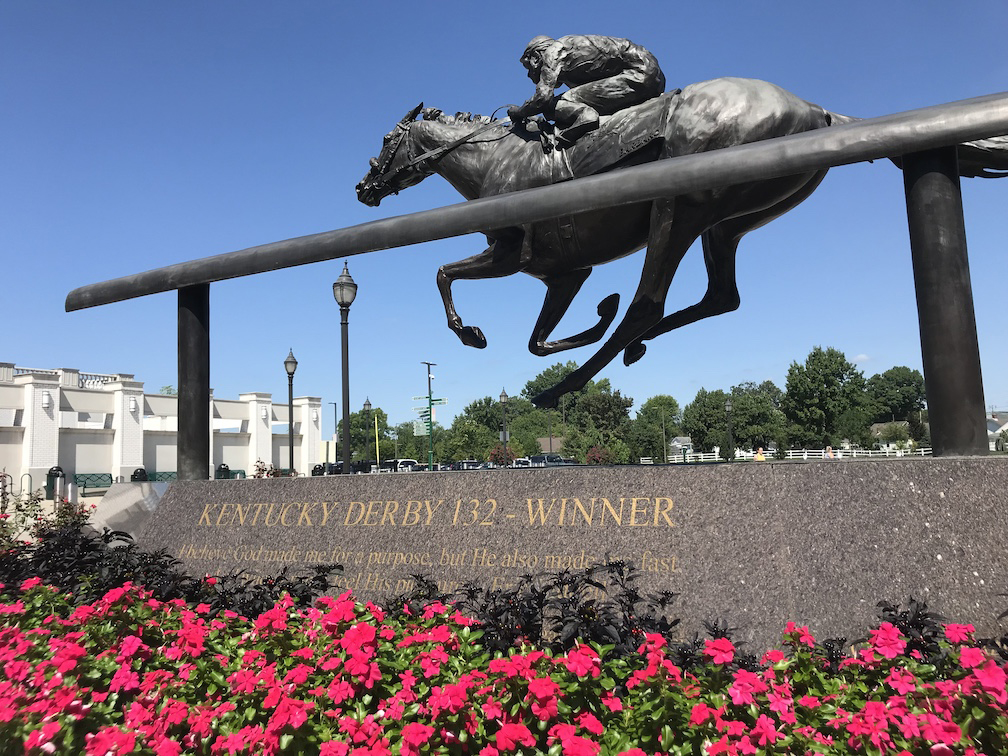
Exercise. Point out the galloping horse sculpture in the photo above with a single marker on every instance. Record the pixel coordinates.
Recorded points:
(481, 158)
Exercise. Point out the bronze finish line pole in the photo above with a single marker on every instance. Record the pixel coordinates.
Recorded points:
(948, 334)
(194, 427)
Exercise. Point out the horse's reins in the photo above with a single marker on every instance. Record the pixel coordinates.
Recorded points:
(431, 155)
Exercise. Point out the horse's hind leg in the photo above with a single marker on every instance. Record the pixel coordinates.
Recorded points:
(560, 292)
(667, 243)
(720, 245)
(501, 258)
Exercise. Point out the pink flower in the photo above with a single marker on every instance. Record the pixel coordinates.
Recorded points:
(992, 678)
(765, 731)
(888, 641)
(701, 713)
(415, 735)
(30, 583)
(901, 681)
(802, 633)
(510, 736)
(970, 657)
(745, 685)
(958, 633)
(611, 701)
(589, 722)
(720, 650)
(772, 656)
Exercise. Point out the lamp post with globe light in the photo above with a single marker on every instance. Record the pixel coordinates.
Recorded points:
(290, 365)
(344, 291)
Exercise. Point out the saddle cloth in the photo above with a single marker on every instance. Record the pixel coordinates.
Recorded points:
(620, 137)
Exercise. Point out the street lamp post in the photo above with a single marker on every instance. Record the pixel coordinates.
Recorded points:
(344, 291)
(731, 441)
(290, 365)
(335, 431)
(504, 435)
(367, 411)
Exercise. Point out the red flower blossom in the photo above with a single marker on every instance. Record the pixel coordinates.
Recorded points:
(720, 650)
(901, 681)
(511, 735)
(958, 633)
(887, 640)
(745, 685)
(701, 713)
(611, 701)
(764, 732)
(992, 678)
(415, 735)
(970, 657)
(589, 722)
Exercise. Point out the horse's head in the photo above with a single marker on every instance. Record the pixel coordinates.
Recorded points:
(393, 170)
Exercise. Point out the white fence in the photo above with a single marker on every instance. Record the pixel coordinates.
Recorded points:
(794, 454)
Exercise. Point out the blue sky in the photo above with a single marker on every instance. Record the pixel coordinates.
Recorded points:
(136, 135)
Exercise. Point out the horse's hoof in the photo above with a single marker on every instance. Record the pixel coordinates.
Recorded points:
(607, 307)
(546, 400)
(473, 336)
(633, 353)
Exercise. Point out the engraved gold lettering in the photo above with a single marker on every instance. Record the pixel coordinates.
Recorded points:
(306, 508)
(220, 513)
(607, 506)
(240, 514)
(663, 511)
(266, 517)
(205, 517)
(325, 511)
(412, 514)
(579, 507)
(430, 512)
(634, 510)
(283, 514)
(390, 510)
(540, 512)
(350, 509)
(255, 519)
(367, 516)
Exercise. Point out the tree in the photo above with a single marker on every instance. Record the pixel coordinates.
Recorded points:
(468, 439)
(168, 390)
(362, 432)
(756, 418)
(896, 394)
(704, 420)
(658, 421)
(818, 393)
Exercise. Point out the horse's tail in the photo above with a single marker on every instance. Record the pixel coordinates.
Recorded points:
(984, 158)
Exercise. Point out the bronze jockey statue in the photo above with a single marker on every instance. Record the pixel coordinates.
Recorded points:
(604, 74)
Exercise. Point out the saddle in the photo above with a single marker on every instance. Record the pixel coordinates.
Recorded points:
(629, 137)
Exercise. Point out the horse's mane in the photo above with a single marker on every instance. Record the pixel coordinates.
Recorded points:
(433, 114)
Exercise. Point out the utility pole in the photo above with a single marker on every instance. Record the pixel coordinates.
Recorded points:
(430, 416)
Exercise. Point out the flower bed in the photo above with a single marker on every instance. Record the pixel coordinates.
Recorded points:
(130, 673)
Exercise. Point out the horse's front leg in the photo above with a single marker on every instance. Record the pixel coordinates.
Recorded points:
(560, 292)
(501, 258)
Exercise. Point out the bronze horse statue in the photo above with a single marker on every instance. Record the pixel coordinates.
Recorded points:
(482, 158)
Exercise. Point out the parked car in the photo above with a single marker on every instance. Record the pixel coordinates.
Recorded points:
(545, 460)
(522, 462)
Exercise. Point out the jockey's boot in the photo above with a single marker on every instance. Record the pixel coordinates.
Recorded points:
(577, 119)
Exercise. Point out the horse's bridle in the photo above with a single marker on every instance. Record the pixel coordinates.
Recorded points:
(422, 162)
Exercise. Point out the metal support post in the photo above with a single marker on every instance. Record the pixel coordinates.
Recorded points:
(951, 355)
(194, 382)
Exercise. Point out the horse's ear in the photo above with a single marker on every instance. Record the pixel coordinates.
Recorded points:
(409, 117)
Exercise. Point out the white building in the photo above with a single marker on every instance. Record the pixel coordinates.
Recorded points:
(99, 423)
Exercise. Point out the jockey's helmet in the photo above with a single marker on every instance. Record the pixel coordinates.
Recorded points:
(534, 47)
